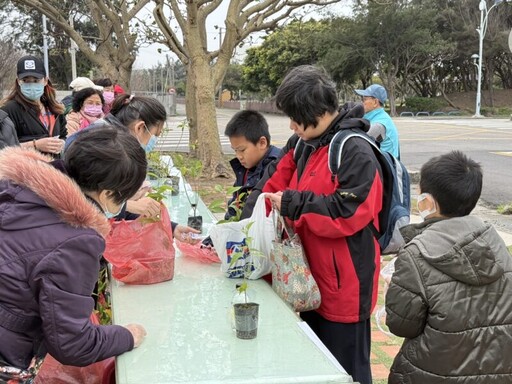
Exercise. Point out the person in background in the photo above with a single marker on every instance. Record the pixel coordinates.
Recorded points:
(8, 135)
(331, 214)
(87, 108)
(31, 105)
(450, 296)
(108, 93)
(77, 85)
(382, 127)
(53, 224)
(118, 90)
(250, 139)
(144, 117)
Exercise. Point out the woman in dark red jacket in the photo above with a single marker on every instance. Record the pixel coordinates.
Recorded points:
(53, 221)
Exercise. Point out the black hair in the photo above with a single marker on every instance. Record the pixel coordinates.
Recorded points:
(249, 124)
(80, 96)
(455, 182)
(106, 158)
(306, 94)
(128, 109)
(103, 82)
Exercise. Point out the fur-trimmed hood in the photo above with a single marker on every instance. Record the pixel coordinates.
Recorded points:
(22, 169)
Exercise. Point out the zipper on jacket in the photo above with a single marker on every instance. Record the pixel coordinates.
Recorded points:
(307, 161)
(336, 270)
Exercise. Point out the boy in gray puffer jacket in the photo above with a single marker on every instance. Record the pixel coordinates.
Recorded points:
(451, 293)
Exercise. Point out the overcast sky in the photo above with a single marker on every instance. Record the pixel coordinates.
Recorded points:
(149, 57)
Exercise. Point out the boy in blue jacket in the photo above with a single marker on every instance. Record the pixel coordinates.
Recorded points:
(250, 139)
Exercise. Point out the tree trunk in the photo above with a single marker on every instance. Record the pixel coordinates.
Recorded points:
(190, 105)
(204, 135)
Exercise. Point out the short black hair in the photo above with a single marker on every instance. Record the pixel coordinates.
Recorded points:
(80, 96)
(249, 124)
(106, 82)
(454, 180)
(106, 158)
(306, 94)
(128, 109)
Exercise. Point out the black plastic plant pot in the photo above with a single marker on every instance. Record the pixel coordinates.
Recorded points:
(174, 182)
(246, 320)
(195, 222)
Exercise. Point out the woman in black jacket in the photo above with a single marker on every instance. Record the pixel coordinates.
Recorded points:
(34, 110)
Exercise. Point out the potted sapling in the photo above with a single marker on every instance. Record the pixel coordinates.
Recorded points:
(244, 312)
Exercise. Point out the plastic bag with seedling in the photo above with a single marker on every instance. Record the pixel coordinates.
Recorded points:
(380, 314)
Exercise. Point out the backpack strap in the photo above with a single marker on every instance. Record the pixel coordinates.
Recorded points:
(336, 147)
(335, 152)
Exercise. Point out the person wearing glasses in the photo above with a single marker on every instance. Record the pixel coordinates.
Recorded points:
(382, 128)
(33, 108)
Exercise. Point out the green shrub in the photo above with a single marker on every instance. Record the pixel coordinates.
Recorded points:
(497, 111)
(424, 104)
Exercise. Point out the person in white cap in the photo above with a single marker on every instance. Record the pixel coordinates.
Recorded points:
(382, 127)
(77, 85)
(34, 110)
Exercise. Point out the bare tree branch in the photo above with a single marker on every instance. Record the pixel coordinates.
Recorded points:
(171, 39)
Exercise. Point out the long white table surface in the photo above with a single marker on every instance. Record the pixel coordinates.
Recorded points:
(189, 336)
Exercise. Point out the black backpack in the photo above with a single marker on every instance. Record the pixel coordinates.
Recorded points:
(396, 206)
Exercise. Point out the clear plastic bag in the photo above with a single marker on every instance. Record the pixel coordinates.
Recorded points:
(380, 313)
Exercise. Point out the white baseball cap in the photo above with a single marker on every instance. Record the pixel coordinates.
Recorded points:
(83, 82)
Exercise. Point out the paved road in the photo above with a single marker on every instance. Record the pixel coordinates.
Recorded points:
(488, 141)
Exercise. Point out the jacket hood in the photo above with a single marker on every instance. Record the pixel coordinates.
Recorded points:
(48, 186)
(464, 248)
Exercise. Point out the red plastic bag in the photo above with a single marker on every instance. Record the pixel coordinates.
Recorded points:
(198, 252)
(141, 251)
(53, 372)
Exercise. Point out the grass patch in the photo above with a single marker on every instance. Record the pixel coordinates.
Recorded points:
(505, 209)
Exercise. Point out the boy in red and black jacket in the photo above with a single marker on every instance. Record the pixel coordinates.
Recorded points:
(331, 214)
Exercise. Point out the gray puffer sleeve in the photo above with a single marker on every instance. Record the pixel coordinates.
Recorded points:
(406, 304)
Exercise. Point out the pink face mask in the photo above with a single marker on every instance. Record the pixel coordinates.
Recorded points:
(108, 97)
(93, 110)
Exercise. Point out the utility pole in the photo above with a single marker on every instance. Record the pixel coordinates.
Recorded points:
(220, 47)
(72, 51)
(45, 46)
(482, 29)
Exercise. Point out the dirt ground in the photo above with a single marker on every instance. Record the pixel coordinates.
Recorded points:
(502, 98)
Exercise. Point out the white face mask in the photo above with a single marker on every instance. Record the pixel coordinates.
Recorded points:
(425, 213)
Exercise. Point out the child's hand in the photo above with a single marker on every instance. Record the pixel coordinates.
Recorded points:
(187, 234)
(275, 198)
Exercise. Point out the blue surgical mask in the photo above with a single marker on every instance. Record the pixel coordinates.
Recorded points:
(32, 91)
(111, 215)
(151, 143)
